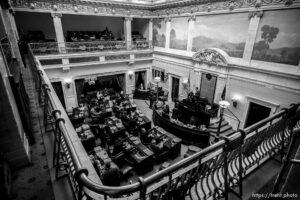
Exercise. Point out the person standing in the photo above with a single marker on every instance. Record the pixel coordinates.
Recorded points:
(152, 99)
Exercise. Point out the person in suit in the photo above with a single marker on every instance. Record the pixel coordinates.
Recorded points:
(197, 93)
(111, 176)
(156, 146)
(152, 99)
(122, 95)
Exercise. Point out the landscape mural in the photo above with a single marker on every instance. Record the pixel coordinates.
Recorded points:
(278, 37)
(159, 32)
(179, 33)
(227, 32)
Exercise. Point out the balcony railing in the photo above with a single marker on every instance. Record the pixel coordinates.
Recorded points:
(209, 173)
(79, 47)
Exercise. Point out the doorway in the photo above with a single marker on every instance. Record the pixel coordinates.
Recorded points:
(208, 87)
(256, 113)
(175, 88)
(140, 80)
(57, 86)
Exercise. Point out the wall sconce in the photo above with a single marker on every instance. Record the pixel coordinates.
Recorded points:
(130, 74)
(185, 81)
(68, 83)
(234, 102)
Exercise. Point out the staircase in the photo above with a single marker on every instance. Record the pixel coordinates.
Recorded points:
(225, 129)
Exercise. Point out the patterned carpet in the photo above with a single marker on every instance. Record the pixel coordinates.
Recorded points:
(33, 182)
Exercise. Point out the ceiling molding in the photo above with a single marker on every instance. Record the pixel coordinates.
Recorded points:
(173, 8)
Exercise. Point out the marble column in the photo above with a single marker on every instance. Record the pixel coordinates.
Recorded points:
(168, 29)
(127, 32)
(59, 32)
(12, 33)
(254, 17)
(170, 88)
(150, 39)
(191, 25)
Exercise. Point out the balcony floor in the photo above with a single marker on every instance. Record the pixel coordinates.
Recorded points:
(33, 182)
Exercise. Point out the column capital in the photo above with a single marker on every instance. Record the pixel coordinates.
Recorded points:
(128, 19)
(168, 19)
(56, 15)
(192, 18)
(151, 20)
(258, 13)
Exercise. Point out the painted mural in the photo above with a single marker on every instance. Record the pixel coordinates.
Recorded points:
(227, 32)
(278, 37)
(159, 32)
(179, 33)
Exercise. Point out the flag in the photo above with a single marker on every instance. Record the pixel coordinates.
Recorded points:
(223, 93)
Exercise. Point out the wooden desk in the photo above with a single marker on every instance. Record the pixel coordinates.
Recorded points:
(144, 122)
(115, 127)
(140, 155)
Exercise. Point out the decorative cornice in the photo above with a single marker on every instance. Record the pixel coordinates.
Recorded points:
(56, 15)
(128, 18)
(210, 56)
(169, 9)
(168, 19)
(192, 18)
(257, 13)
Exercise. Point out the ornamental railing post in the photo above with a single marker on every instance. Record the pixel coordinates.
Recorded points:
(232, 144)
(80, 185)
(143, 188)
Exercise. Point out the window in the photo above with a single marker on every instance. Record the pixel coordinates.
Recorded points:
(158, 72)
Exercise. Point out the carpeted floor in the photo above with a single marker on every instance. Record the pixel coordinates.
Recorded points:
(267, 188)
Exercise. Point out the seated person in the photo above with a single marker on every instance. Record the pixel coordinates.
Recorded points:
(132, 123)
(106, 101)
(166, 109)
(156, 146)
(105, 92)
(192, 120)
(95, 111)
(142, 134)
(99, 95)
(122, 96)
(118, 146)
(111, 176)
(191, 97)
(84, 109)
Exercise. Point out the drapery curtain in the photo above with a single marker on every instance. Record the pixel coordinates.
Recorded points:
(120, 80)
(136, 78)
(140, 79)
(79, 84)
(143, 74)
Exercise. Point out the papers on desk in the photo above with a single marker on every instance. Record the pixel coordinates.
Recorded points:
(119, 125)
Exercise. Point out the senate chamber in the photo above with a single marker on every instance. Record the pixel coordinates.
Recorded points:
(149, 99)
